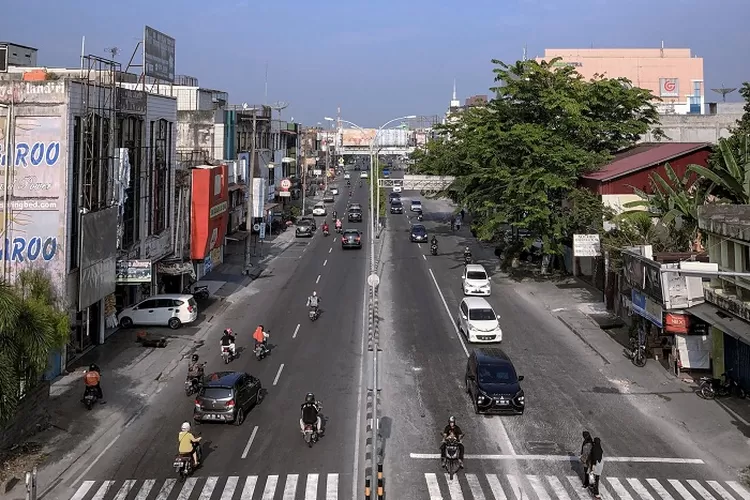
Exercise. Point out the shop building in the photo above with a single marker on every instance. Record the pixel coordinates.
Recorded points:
(673, 75)
(209, 215)
(727, 308)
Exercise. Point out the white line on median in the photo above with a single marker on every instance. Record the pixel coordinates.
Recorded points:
(249, 442)
(317, 280)
(296, 331)
(278, 374)
(330, 250)
(325, 262)
(568, 458)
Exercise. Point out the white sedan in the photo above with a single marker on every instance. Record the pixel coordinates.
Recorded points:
(319, 209)
(335, 191)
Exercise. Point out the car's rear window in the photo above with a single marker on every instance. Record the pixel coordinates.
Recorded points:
(217, 393)
(476, 275)
(351, 233)
(355, 210)
(481, 314)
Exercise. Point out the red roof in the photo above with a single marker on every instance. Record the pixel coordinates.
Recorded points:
(644, 156)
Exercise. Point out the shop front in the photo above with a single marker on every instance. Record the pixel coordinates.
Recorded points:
(133, 284)
(209, 217)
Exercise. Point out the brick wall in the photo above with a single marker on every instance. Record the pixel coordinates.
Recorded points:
(31, 417)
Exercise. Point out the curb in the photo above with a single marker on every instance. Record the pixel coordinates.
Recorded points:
(578, 334)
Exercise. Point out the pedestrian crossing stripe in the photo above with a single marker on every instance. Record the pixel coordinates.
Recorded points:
(533, 487)
(214, 487)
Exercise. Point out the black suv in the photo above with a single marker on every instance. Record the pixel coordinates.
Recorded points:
(355, 214)
(397, 207)
(492, 382)
(394, 197)
(227, 397)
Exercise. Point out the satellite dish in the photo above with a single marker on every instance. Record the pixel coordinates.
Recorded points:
(278, 106)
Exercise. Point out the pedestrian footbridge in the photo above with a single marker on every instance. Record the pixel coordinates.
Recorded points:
(418, 182)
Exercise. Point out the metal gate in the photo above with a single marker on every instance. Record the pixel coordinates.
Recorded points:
(737, 358)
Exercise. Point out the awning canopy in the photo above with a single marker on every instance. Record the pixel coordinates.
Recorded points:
(270, 206)
(176, 269)
(724, 321)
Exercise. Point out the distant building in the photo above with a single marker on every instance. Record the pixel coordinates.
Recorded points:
(455, 107)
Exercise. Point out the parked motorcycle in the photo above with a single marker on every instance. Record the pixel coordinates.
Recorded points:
(311, 435)
(200, 292)
(636, 352)
(183, 464)
(711, 388)
(451, 457)
(314, 313)
(226, 354)
(433, 249)
(90, 397)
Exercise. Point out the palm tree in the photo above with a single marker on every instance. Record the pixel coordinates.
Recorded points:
(730, 178)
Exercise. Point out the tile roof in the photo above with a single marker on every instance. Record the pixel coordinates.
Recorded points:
(643, 156)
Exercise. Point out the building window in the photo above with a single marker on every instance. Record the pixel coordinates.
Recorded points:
(130, 136)
(697, 88)
(75, 194)
(159, 176)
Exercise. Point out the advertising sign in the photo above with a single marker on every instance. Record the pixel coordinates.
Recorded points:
(669, 87)
(356, 137)
(158, 55)
(131, 272)
(646, 308)
(586, 245)
(34, 239)
(48, 92)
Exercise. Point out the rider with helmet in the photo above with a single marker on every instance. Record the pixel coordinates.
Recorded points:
(311, 414)
(227, 340)
(92, 378)
(195, 371)
(188, 443)
(452, 431)
(325, 227)
(313, 301)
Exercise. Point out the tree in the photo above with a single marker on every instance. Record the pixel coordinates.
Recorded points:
(737, 141)
(729, 172)
(519, 159)
(33, 324)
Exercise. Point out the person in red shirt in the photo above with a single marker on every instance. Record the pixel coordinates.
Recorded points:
(325, 227)
(261, 337)
(92, 378)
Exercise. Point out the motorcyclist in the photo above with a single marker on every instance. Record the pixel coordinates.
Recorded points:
(313, 301)
(467, 253)
(311, 414)
(433, 241)
(227, 340)
(338, 224)
(348, 182)
(188, 443)
(195, 370)
(335, 215)
(261, 337)
(452, 430)
(92, 378)
(419, 214)
(325, 227)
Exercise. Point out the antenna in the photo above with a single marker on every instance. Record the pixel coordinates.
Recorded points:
(278, 106)
(525, 52)
(723, 91)
(266, 92)
(113, 51)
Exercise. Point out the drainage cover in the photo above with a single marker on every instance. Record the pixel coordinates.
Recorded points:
(543, 448)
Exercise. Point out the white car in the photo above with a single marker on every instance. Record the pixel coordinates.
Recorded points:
(475, 281)
(172, 310)
(347, 176)
(320, 209)
(363, 175)
(478, 321)
(416, 206)
(335, 191)
(396, 188)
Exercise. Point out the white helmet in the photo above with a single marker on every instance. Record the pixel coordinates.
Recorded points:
(315, 294)
(185, 427)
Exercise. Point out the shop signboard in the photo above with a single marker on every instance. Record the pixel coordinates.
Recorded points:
(647, 308)
(669, 87)
(132, 272)
(586, 245)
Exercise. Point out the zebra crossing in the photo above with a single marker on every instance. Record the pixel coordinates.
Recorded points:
(538, 487)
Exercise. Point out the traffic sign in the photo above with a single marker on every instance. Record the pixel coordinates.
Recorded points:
(341, 162)
(256, 227)
(373, 280)
(262, 234)
(286, 184)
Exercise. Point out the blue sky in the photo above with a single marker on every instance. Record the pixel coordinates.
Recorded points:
(380, 59)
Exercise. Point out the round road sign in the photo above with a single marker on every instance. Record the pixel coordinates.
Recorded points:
(256, 227)
(286, 184)
(373, 280)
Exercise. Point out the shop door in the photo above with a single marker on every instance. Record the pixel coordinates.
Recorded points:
(737, 359)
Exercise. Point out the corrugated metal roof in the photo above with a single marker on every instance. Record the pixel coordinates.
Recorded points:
(643, 156)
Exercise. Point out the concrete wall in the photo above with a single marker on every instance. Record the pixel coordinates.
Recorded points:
(696, 128)
(196, 131)
(31, 417)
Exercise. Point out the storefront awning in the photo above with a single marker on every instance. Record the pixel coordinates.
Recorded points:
(270, 206)
(726, 322)
(177, 269)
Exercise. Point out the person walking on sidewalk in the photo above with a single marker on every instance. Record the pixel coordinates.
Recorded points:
(588, 444)
(597, 464)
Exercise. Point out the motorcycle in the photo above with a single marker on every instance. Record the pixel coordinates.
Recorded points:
(636, 353)
(261, 351)
(467, 258)
(433, 249)
(451, 457)
(311, 435)
(184, 466)
(325, 232)
(339, 229)
(314, 313)
(200, 292)
(226, 354)
(90, 397)
(420, 217)
(711, 388)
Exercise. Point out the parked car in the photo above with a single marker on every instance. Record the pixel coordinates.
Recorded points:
(227, 397)
(492, 382)
(172, 310)
(478, 321)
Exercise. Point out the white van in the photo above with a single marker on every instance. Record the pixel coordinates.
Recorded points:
(478, 321)
(172, 310)
(475, 281)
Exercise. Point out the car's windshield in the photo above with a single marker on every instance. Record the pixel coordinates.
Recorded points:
(481, 315)
(419, 230)
(304, 222)
(217, 393)
(396, 203)
(476, 275)
(496, 374)
(415, 203)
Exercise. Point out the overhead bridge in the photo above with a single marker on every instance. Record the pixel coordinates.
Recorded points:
(383, 150)
(418, 182)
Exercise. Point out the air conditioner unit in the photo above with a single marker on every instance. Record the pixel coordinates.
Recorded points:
(3, 59)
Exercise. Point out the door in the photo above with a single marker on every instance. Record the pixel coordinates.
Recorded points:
(464, 315)
(165, 309)
(254, 387)
(144, 313)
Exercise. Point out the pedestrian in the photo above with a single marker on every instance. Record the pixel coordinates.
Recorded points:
(588, 443)
(458, 224)
(463, 213)
(597, 464)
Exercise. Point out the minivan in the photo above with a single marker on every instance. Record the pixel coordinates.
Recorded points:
(478, 321)
(172, 310)
(475, 281)
(492, 382)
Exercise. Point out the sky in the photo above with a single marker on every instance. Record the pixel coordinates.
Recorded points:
(376, 60)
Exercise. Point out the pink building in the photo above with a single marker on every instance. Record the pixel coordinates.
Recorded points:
(674, 75)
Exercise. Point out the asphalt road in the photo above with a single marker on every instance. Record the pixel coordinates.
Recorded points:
(567, 391)
(323, 357)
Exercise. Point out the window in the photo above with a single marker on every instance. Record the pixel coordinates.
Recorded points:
(75, 220)
(130, 136)
(159, 175)
(697, 88)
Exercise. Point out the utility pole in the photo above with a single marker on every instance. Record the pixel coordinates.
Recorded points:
(251, 187)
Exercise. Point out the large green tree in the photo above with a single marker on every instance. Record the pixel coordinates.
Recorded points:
(518, 160)
(33, 324)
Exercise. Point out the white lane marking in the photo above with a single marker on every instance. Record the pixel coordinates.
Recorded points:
(330, 250)
(146, 487)
(296, 331)
(619, 488)
(166, 489)
(660, 490)
(249, 489)
(125, 489)
(684, 493)
(208, 488)
(432, 486)
(557, 488)
(332, 487)
(290, 487)
(718, 488)
(102, 490)
(229, 488)
(424, 256)
(538, 486)
(700, 489)
(454, 487)
(741, 491)
(419, 245)
(270, 488)
(475, 487)
(98, 457)
(325, 262)
(82, 490)
(317, 280)
(311, 487)
(249, 442)
(577, 485)
(640, 489)
(496, 487)
(515, 486)
(278, 374)
(453, 321)
(566, 458)
(187, 488)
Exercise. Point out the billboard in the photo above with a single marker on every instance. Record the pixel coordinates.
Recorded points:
(356, 137)
(669, 87)
(158, 55)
